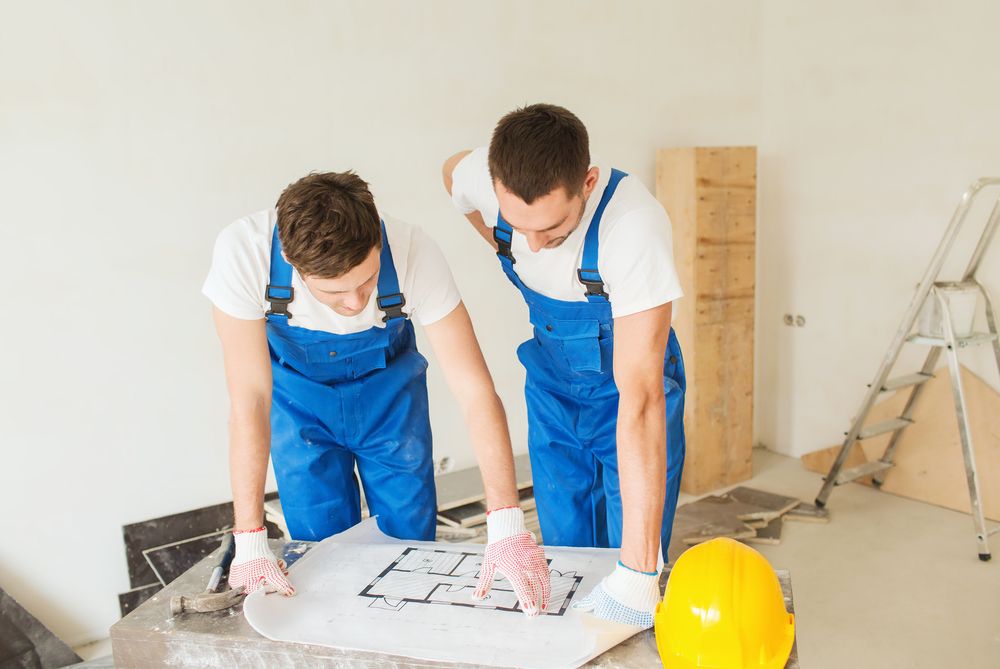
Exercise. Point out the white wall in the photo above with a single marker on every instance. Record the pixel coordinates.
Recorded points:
(874, 118)
(130, 133)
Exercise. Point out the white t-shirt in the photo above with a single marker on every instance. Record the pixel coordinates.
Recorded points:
(635, 257)
(241, 266)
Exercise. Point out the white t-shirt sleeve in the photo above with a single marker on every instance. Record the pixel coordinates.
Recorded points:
(637, 263)
(432, 293)
(237, 280)
(472, 186)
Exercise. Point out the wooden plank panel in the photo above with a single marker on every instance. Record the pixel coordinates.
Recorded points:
(710, 195)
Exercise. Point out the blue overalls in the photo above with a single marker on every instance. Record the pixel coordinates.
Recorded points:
(572, 404)
(338, 400)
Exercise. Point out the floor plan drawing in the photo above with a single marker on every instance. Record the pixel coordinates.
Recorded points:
(435, 576)
(365, 591)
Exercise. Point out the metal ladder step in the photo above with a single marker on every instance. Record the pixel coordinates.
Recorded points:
(866, 469)
(890, 425)
(975, 339)
(906, 381)
(958, 285)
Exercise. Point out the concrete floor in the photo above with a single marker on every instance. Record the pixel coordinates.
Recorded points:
(888, 583)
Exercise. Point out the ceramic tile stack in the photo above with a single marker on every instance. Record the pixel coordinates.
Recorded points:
(746, 514)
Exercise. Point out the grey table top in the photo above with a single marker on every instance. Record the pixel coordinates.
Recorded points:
(149, 636)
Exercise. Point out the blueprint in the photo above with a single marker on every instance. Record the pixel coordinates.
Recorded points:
(441, 576)
(363, 591)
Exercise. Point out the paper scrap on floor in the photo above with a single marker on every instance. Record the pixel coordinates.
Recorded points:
(363, 590)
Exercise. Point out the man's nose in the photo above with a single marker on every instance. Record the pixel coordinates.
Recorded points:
(355, 301)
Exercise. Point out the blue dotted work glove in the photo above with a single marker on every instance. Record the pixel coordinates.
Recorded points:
(625, 596)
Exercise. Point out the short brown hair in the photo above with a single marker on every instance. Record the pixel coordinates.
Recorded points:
(538, 148)
(328, 223)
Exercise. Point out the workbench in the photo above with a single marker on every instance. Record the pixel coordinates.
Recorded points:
(149, 637)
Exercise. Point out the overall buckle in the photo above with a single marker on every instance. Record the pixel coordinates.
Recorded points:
(279, 305)
(593, 287)
(391, 310)
(503, 240)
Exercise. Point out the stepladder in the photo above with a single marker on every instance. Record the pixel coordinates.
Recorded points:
(949, 336)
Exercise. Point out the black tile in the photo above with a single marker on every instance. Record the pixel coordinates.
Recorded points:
(170, 561)
(16, 649)
(166, 530)
(129, 601)
(26, 642)
(173, 528)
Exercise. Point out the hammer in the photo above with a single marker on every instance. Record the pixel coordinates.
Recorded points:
(210, 600)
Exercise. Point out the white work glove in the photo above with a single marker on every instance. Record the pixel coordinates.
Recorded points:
(625, 596)
(513, 551)
(254, 565)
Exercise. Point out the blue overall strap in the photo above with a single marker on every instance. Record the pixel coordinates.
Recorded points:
(279, 291)
(588, 274)
(503, 234)
(390, 300)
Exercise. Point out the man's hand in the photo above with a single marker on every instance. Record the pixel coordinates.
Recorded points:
(625, 596)
(255, 566)
(512, 551)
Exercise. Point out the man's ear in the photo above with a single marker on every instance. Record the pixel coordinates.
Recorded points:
(590, 181)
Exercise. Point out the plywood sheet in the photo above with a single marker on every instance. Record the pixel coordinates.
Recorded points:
(929, 465)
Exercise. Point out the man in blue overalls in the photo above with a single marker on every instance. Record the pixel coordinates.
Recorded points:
(590, 250)
(314, 303)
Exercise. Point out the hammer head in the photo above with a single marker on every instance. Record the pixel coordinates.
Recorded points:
(206, 602)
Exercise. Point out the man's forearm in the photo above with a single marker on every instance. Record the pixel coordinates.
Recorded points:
(491, 442)
(249, 448)
(642, 470)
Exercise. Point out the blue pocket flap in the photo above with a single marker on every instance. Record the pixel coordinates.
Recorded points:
(342, 348)
(566, 329)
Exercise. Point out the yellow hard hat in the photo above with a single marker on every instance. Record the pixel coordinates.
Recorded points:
(723, 609)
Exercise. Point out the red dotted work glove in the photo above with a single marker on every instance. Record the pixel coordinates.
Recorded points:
(513, 551)
(255, 566)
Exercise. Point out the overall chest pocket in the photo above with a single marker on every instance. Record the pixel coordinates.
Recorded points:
(579, 340)
(351, 358)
